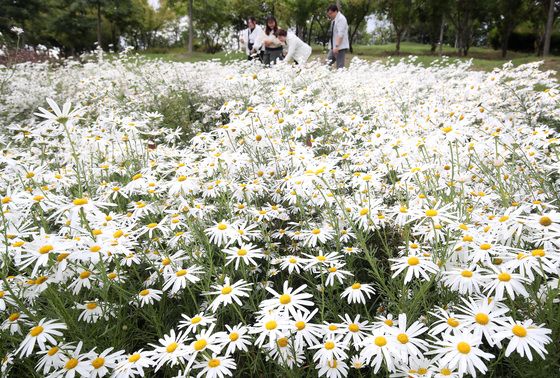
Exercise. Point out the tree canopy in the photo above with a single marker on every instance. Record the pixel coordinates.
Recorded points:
(81, 25)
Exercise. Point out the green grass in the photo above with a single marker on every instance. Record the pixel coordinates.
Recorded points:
(483, 59)
(181, 55)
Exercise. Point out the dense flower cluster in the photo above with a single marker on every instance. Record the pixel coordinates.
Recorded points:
(388, 217)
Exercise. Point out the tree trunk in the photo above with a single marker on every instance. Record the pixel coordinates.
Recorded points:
(310, 31)
(191, 30)
(99, 24)
(548, 30)
(442, 29)
(504, 44)
(398, 47)
(353, 35)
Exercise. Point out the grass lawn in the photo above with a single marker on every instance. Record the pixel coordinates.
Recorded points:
(484, 59)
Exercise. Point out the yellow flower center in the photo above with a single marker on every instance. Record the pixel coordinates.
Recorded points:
(91, 306)
(485, 246)
(71, 364)
(80, 201)
(466, 273)
(388, 322)
(85, 274)
(144, 292)
(36, 331)
(234, 336)
(453, 322)
(463, 347)
(445, 371)
(214, 362)
(481, 318)
(171, 347)
(98, 362)
(545, 221)
(403, 338)
(198, 345)
(226, 290)
(135, 357)
(413, 260)
(181, 273)
(13, 317)
(364, 211)
(504, 277)
(241, 252)
(356, 286)
(300, 325)
(380, 341)
(152, 225)
(53, 351)
(222, 226)
(431, 213)
(282, 342)
(285, 299)
(538, 252)
(270, 325)
(329, 345)
(45, 249)
(315, 231)
(519, 331)
(196, 320)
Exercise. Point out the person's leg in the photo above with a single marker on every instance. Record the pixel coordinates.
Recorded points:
(340, 58)
(266, 58)
(330, 58)
(275, 56)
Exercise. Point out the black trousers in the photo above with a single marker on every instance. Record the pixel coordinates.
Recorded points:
(272, 55)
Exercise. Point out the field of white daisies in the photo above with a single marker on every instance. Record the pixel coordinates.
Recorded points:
(212, 220)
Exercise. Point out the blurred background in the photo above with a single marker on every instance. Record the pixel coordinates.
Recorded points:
(203, 29)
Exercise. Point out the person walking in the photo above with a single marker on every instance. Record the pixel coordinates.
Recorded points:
(251, 38)
(298, 50)
(339, 37)
(273, 47)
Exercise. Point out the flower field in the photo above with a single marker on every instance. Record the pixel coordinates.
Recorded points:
(188, 220)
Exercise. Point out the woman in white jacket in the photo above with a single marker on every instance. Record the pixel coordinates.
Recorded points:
(298, 50)
(252, 39)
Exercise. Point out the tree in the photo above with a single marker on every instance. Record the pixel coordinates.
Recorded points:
(432, 15)
(356, 12)
(464, 15)
(400, 13)
(507, 15)
(302, 12)
(550, 6)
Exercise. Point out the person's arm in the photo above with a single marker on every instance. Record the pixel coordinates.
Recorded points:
(292, 44)
(258, 40)
(341, 28)
(241, 39)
